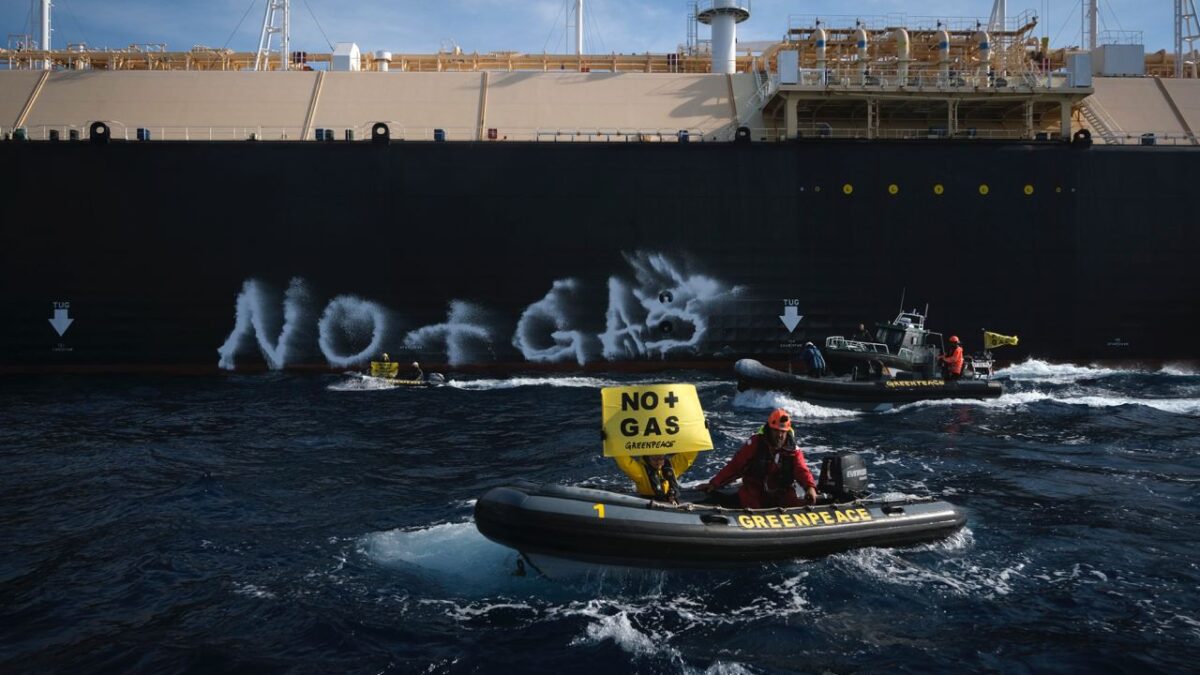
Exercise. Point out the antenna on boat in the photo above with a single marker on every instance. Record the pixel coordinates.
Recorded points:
(902, 292)
(278, 12)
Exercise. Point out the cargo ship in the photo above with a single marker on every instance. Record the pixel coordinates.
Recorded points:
(212, 210)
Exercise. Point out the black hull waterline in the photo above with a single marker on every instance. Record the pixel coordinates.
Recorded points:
(879, 394)
(605, 528)
(235, 255)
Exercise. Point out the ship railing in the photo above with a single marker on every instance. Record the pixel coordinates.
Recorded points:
(766, 86)
(804, 23)
(824, 130)
(1150, 138)
(43, 132)
(615, 135)
(851, 76)
(1097, 116)
(839, 342)
(122, 131)
(147, 132)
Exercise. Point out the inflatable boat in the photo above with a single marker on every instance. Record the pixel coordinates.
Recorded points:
(389, 372)
(594, 526)
(871, 395)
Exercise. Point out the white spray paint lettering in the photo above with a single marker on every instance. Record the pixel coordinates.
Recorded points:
(666, 310)
(347, 319)
(256, 317)
(623, 335)
(456, 335)
(551, 313)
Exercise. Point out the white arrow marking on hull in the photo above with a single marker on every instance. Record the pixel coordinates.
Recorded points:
(60, 321)
(791, 317)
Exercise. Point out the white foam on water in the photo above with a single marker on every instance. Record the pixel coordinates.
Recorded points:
(629, 627)
(1179, 406)
(1180, 370)
(1036, 370)
(753, 399)
(959, 541)
(360, 382)
(618, 628)
(514, 382)
(1193, 626)
(453, 550)
(472, 611)
(956, 575)
(731, 668)
(1080, 573)
(253, 591)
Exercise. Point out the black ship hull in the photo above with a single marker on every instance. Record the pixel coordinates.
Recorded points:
(298, 254)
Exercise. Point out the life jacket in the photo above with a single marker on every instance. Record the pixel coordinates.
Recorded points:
(659, 476)
(762, 461)
(954, 361)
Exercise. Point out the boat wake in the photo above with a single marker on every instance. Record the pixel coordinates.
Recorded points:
(1024, 399)
(514, 382)
(360, 382)
(453, 554)
(754, 399)
(1036, 370)
(954, 575)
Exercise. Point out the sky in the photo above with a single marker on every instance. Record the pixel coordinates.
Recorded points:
(531, 26)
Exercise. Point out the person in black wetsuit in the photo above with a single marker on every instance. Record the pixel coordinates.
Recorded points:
(862, 334)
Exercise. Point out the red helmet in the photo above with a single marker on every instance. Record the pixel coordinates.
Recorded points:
(954, 339)
(780, 420)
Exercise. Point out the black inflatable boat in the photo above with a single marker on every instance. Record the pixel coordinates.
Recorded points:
(601, 527)
(872, 395)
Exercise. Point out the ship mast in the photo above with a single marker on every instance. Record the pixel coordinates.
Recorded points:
(44, 44)
(1091, 11)
(578, 26)
(1187, 29)
(277, 19)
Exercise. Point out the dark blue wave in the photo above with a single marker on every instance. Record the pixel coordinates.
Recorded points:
(307, 524)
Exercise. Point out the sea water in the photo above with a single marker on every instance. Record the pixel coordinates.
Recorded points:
(322, 523)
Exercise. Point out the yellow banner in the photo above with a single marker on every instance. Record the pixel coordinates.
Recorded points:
(384, 369)
(655, 419)
(993, 340)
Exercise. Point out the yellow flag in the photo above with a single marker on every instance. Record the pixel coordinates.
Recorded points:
(656, 419)
(993, 340)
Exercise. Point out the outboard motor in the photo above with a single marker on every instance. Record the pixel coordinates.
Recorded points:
(843, 476)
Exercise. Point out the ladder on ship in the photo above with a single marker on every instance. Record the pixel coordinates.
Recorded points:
(1100, 122)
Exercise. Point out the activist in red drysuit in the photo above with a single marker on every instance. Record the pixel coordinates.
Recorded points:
(769, 465)
(953, 362)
